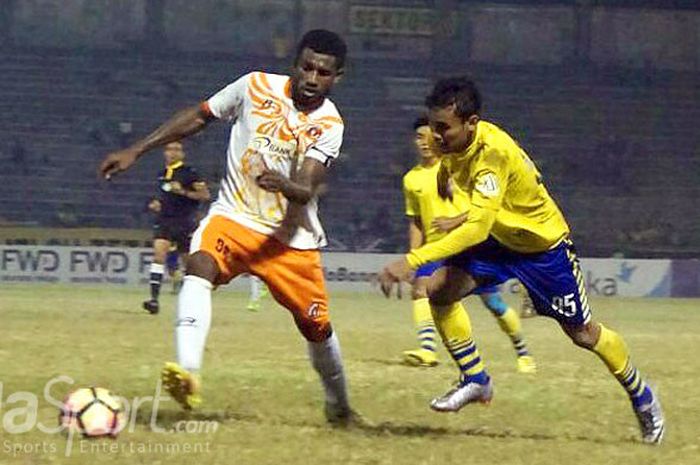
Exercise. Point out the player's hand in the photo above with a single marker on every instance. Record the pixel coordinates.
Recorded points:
(394, 273)
(176, 188)
(116, 162)
(154, 205)
(272, 181)
(447, 223)
(444, 183)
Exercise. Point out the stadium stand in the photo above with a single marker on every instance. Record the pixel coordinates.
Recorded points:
(599, 135)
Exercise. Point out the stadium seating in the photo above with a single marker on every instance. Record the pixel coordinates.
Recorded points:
(615, 150)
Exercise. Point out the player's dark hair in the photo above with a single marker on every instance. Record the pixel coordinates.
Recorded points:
(420, 122)
(325, 42)
(458, 91)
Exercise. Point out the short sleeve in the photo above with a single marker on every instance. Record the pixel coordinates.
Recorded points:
(490, 180)
(327, 147)
(226, 103)
(411, 201)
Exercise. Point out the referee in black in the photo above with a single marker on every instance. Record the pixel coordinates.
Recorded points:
(180, 192)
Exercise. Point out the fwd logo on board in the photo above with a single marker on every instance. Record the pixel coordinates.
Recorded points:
(29, 260)
(113, 261)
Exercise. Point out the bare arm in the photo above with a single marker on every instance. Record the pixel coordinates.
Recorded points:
(301, 188)
(448, 223)
(182, 124)
(199, 191)
(415, 233)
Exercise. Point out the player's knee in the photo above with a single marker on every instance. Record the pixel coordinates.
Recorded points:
(203, 265)
(441, 298)
(418, 292)
(439, 292)
(315, 331)
(495, 303)
(159, 256)
(585, 336)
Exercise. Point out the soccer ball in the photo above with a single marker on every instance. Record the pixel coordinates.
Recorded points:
(92, 412)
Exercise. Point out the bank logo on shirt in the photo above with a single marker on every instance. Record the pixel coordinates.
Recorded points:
(487, 185)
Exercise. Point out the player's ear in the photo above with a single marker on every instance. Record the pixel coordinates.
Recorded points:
(471, 122)
(339, 75)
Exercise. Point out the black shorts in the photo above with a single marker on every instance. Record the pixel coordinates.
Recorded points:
(175, 230)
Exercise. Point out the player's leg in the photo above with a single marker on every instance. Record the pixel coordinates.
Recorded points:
(172, 266)
(256, 293)
(422, 320)
(160, 252)
(555, 283)
(180, 250)
(527, 309)
(446, 288)
(295, 280)
(210, 262)
(613, 351)
(509, 322)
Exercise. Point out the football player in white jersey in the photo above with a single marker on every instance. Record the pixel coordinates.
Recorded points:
(285, 133)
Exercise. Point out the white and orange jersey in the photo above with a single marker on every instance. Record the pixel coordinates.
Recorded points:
(269, 132)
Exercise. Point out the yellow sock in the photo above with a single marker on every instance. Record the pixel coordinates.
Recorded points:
(423, 322)
(611, 348)
(456, 330)
(509, 322)
(613, 351)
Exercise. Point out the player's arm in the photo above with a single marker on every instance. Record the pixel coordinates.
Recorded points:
(474, 231)
(449, 223)
(182, 124)
(196, 191)
(154, 205)
(303, 184)
(490, 183)
(301, 188)
(415, 232)
(225, 104)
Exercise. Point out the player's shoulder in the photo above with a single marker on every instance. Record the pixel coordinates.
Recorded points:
(413, 176)
(189, 169)
(495, 137)
(269, 80)
(264, 84)
(328, 114)
(496, 144)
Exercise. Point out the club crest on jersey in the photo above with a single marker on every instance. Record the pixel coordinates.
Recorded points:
(314, 310)
(487, 185)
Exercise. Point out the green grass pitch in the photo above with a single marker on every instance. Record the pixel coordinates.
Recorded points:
(266, 402)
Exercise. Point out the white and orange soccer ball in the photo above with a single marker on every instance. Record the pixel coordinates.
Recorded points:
(92, 412)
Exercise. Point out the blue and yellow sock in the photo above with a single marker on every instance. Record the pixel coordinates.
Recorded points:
(510, 324)
(423, 322)
(455, 328)
(611, 348)
(508, 320)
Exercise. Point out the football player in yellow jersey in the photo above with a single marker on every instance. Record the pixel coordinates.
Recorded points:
(514, 229)
(431, 218)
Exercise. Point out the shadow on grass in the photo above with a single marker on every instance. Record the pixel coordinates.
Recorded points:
(169, 418)
(389, 428)
(385, 361)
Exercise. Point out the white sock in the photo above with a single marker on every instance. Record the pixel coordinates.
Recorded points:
(193, 320)
(157, 268)
(326, 360)
(255, 287)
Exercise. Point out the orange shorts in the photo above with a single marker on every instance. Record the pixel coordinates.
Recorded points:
(294, 277)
